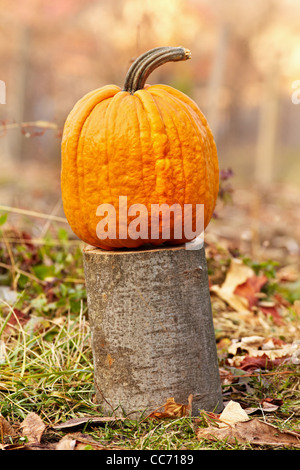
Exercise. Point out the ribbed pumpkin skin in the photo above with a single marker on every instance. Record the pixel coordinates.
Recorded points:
(153, 146)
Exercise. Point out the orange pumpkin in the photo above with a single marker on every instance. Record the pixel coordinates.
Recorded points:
(150, 144)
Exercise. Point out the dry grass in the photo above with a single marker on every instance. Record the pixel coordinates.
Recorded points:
(46, 364)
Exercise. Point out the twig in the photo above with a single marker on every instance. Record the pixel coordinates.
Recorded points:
(40, 241)
(34, 214)
(31, 276)
(23, 125)
(48, 222)
(263, 375)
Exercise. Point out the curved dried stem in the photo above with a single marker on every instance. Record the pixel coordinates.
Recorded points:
(144, 65)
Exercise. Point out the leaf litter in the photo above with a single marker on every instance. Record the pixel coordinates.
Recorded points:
(256, 308)
(233, 425)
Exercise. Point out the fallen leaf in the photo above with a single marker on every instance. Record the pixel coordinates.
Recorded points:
(173, 409)
(5, 428)
(288, 274)
(17, 319)
(227, 378)
(280, 300)
(270, 404)
(262, 352)
(84, 440)
(263, 362)
(267, 405)
(66, 443)
(78, 441)
(274, 313)
(237, 274)
(247, 343)
(296, 307)
(75, 422)
(255, 432)
(33, 428)
(250, 288)
(232, 413)
(11, 446)
(273, 343)
(39, 446)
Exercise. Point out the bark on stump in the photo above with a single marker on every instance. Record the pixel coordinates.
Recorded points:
(152, 330)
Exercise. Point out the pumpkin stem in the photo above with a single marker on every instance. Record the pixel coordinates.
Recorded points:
(145, 64)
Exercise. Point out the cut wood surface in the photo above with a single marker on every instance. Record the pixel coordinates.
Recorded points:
(152, 329)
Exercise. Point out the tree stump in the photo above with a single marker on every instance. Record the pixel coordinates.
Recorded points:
(152, 329)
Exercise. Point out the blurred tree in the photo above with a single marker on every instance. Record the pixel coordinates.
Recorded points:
(51, 53)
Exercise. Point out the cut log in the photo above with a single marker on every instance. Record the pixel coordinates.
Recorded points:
(152, 329)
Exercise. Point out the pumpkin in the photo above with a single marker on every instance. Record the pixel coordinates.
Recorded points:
(147, 145)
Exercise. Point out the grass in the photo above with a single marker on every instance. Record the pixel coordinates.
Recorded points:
(48, 370)
(46, 363)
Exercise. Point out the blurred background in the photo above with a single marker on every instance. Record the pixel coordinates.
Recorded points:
(245, 60)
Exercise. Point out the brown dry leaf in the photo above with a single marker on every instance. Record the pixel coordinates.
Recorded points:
(250, 288)
(253, 431)
(33, 427)
(5, 428)
(39, 446)
(288, 273)
(78, 441)
(247, 344)
(66, 443)
(17, 319)
(262, 352)
(75, 422)
(271, 404)
(268, 405)
(296, 307)
(226, 376)
(272, 311)
(173, 409)
(257, 346)
(263, 362)
(237, 274)
(83, 440)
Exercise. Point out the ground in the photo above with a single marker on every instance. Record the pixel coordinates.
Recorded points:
(252, 249)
